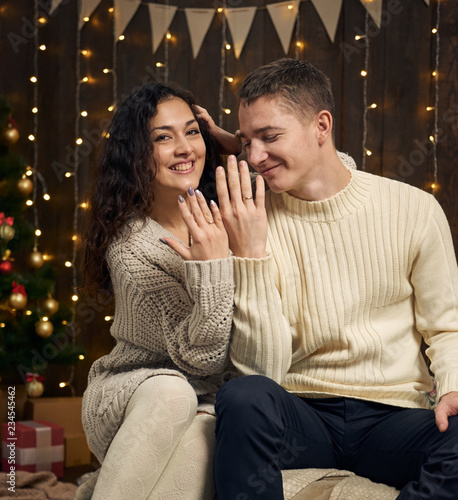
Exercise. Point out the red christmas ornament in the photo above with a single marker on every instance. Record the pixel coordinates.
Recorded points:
(6, 267)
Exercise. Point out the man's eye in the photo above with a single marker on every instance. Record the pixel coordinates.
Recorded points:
(270, 138)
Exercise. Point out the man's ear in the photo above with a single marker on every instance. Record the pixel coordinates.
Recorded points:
(324, 126)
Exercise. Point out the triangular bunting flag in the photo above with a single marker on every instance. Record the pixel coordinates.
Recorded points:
(54, 5)
(161, 17)
(329, 12)
(124, 11)
(427, 2)
(374, 7)
(199, 21)
(239, 21)
(283, 16)
(87, 8)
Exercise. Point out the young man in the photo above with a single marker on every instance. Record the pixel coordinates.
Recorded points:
(340, 274)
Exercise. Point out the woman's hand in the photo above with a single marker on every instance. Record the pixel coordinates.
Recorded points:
(227, 142)
(209, 239)
(244, 218)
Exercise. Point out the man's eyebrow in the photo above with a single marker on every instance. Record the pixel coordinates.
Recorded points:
(262, 130)
(169, 127)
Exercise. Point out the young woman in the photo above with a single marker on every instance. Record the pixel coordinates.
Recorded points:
(164, 252)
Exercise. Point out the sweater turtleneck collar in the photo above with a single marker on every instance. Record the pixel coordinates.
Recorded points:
(342, 204)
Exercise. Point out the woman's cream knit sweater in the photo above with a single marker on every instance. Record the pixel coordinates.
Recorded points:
(350, 287)
(171, 317)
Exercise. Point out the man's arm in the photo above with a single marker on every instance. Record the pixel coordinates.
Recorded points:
(261, 338)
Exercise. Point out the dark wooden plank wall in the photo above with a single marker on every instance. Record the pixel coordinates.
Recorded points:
(402, 57)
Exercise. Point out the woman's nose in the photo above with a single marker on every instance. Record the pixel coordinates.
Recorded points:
(184, 146)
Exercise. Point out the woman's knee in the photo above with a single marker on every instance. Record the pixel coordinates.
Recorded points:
(165, 397)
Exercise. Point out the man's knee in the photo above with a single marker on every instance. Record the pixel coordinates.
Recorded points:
(242, 394)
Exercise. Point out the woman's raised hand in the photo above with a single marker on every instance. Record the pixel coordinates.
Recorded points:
(209, 239)
(244, 216)
(228, 143)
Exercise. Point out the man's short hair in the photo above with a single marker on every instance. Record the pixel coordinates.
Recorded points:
(303, 89)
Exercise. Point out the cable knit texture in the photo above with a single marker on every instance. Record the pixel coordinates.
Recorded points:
(171, 317)
(350, 287)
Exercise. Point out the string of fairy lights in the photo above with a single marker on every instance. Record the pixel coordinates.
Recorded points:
(366, 152)
(164, 66)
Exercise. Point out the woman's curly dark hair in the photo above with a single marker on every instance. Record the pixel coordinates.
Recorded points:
(121, 190)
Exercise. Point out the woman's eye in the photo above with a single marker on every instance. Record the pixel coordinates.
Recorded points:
(160, 138)
(246, 144)
(193, 131)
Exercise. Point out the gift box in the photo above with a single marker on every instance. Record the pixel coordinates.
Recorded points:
(33, 446)
(64, 411)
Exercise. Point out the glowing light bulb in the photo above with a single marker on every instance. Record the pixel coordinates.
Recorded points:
(227, 111)
(28, 313)
(86, 19)
(373, 105)
(46, 197)
(37, 232)
(79, 140)
(229, 79)
(68, 174)
(434, 31)
(85, 79)
(75, 298)
(220, 9)
(42, 20)
(43, 47)
(62, 385)
(168, 36)
(110, 108)
(29, 203)
(121, 37)
(33, 79)
(368, 152)
(111, 9)
(81, 357)
(31, 137)
(83, 113)
(35, 110)
(159, 65)
(363, 73)
(228, 46)
(430, 108)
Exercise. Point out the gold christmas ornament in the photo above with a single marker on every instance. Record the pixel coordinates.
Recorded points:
(18, 301)
(6, 232)
(10, 134)
(35, 259)
(50, 306)
(34, 388)
(25, 186)
(44, 328)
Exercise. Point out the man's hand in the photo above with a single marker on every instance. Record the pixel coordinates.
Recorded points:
(244, 215)
(447, 407)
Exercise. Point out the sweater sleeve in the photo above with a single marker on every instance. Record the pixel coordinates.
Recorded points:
(167, 313)
(435, 282)
(261, 340)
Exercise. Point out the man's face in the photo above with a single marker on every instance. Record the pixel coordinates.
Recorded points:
(279, 146)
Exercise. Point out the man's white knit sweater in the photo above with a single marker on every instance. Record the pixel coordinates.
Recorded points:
(350, 286)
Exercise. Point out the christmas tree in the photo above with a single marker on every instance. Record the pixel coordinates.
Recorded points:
(32, 322)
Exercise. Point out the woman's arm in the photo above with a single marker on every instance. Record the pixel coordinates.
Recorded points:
(229, 144)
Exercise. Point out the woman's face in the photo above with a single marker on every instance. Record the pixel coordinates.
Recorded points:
(178, 149)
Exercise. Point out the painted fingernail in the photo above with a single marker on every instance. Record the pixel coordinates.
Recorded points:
(212, 203)
(198, 193)
(181, 199)
(163, 241)
(191, 191)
